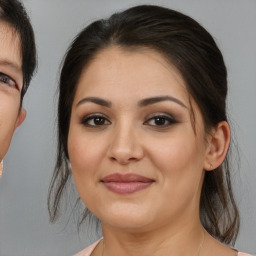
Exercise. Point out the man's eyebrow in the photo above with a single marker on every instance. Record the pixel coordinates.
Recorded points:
(5, 62)
(157, 99)
(95, 100)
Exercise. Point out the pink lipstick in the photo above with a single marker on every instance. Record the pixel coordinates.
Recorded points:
(126, 183)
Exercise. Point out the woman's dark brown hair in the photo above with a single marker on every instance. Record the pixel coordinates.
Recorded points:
(192, 50)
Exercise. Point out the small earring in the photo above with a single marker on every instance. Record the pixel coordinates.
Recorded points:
(69, 165)
(1, 168)
(211, 167)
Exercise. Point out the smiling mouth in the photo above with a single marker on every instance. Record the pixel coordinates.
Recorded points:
(126, 183)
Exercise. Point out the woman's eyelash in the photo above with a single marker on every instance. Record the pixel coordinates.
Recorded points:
(7, 80)
(95, 120)
(160, 121)
(100, 120)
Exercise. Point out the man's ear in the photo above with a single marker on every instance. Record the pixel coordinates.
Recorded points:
(21, 117)
(218, 144)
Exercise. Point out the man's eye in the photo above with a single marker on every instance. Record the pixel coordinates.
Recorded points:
(6, 80)
(95, 121)
(161, 121)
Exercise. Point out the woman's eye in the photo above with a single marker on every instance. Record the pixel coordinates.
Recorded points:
(4, 79)
(161, 121)
(93, 121)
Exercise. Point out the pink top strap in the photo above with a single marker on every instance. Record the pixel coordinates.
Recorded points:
(87, 251)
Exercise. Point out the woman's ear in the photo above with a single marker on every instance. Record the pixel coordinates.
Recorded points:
(21, 117)
(218, 144)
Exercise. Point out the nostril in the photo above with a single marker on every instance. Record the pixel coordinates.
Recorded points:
(123, 160)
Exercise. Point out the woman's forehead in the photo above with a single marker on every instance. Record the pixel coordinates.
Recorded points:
(117, 73)
(121, 65)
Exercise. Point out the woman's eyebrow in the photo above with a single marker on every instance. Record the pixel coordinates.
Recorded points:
(141, 103)
(95, 100)
(157, 99)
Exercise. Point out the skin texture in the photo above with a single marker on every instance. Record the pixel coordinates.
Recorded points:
(11, 80)
(126, 137)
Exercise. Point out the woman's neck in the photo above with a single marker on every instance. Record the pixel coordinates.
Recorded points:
(185, 241)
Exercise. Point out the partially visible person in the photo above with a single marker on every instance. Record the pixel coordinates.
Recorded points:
(17, 65)
(144, 131)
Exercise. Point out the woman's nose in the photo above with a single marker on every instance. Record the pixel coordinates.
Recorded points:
(125, 146)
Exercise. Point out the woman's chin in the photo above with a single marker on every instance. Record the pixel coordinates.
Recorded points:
(127, 225)
(127, 219)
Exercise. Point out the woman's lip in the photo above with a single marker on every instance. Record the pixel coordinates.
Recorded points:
(126, 183)
(124, 178)
(126, 187)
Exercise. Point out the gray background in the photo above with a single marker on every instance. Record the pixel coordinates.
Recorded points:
(24, 223)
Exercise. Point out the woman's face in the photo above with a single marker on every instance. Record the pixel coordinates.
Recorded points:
(11, 80)
(137, 162)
